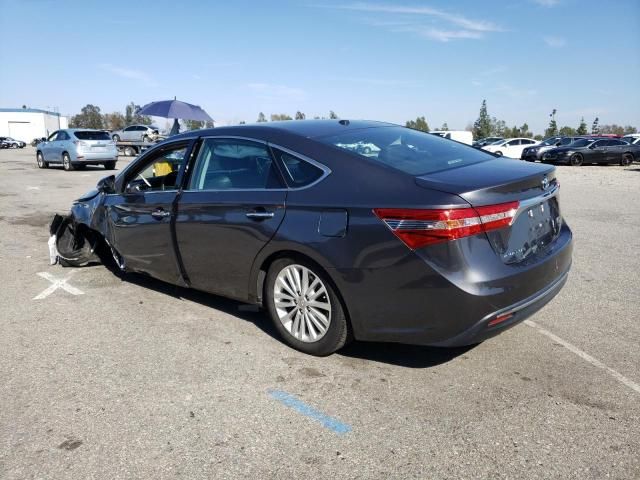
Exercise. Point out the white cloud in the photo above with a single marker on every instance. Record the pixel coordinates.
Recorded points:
(426, 22)
(555, 42)
(128, 73)
(271, 91)
(547, 3)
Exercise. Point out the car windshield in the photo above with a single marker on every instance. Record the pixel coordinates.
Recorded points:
(550, 141)
(409, 151)
(583, 142)
(629, 139)
(91, 135)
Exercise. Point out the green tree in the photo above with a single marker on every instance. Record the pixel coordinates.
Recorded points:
(582, 128)
(114, 121)
(552, 129)
(444, 127)
(629, 129)
(280, 116)
(89, 117)
(482, 126)
(538, 137)
(300, 115)
(209, 124)
(419, 123)
(261, 118)
(595, 129)
(193, 124)
(132, 116)
(332, 115)
(498, 128)
(567, 131)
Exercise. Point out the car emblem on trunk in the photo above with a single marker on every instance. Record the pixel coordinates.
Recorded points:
(545, 183)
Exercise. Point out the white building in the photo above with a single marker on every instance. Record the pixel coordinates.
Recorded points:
(28, 123)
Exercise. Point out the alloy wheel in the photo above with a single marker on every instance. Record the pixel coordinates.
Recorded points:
(302, 303)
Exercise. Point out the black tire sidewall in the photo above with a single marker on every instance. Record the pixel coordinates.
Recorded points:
(579, 159)
(115, 138)
(109, 165)
(336, 336)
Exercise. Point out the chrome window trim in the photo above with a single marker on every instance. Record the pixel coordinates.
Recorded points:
(326, 171)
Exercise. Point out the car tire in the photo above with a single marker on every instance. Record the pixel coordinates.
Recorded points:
(499, 153)
(109, 165)
(41, 162)
(627, 159)
(146, 139)
(116, 138)
(66, 163)
(300, 318)
(576, 160)
(130, 151)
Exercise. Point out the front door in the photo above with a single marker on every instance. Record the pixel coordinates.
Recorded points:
(50, 149)
(231, 207)
(140, 216)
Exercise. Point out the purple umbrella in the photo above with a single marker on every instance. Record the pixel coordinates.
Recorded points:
(175, 109)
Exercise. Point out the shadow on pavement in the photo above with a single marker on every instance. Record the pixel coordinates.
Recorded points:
(410, 356)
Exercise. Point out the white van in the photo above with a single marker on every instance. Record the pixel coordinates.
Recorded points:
(461, 136)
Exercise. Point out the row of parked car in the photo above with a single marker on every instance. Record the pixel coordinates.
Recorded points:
(8, 142)
(572, 150)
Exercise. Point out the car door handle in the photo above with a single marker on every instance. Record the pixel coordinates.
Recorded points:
(160, 213)
(257, 215)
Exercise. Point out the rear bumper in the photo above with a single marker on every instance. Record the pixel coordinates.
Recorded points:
(484, 329)
(87, 157)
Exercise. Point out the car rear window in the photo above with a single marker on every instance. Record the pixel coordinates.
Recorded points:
(410, 151)
(91, 135)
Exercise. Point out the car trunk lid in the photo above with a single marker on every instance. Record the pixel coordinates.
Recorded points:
(537, 222)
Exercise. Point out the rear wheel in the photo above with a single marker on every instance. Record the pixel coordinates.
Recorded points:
(66, 162)
(576, 160)
(146, 139)
(41, 162)
(305, 308)
(109, 165)
(627, 159)
(115, 138)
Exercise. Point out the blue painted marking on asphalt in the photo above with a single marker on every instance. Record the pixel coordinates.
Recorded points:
(299, 406)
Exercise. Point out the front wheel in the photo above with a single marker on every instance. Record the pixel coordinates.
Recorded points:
(110, 165)
(627, 159)
(305, 308)
(576, 160)
(66, 162)
(116, 138)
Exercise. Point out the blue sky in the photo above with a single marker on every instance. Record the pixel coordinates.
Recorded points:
(390, 60)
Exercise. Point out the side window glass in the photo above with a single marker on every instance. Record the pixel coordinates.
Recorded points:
(53, 137)
(129, 129)
(160, 172)
(63, 136)
(298, 171)
(231, 164)
(513, 143)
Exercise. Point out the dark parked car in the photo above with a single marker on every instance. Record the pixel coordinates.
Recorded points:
(594, 150)
(422, 240)
(531, 154)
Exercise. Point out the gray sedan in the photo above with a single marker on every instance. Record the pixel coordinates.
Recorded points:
(136, 133)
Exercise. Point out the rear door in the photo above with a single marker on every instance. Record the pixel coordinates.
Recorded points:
(231, 207)
(514, 149)
(597, 152)
(140, 216)
(614, 150)
(129, 134)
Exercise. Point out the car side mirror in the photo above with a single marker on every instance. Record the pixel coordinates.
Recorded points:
(107, 184)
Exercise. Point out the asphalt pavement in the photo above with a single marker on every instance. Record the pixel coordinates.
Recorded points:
(105, 376)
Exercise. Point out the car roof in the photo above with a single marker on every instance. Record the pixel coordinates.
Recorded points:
(300, 128)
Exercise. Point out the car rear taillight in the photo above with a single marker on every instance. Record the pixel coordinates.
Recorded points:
(421, 227)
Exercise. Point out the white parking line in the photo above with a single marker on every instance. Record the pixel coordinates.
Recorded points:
(56, 283)
(585, 356)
